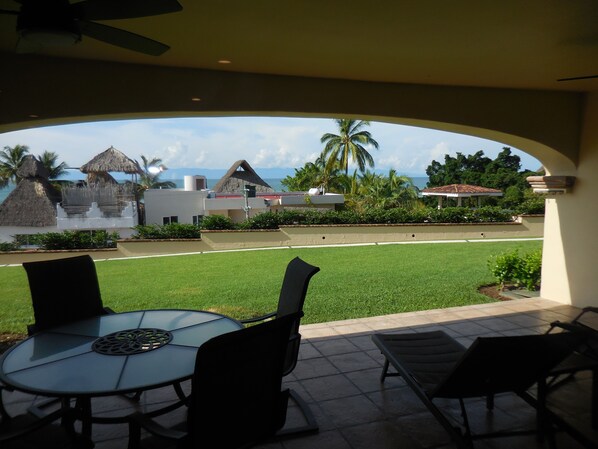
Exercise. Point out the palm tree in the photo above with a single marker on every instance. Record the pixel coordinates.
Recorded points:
(150, 178)
(48, 160)
(385, 192)
(350, 143)
(11, 159)
(315, 174)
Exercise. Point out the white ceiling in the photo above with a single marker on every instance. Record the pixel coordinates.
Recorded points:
(507, 44)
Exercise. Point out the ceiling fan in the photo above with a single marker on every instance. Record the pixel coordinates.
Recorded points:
(44, 23)
(577, 78)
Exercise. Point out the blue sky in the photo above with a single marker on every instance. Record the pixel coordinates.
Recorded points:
(265, 142)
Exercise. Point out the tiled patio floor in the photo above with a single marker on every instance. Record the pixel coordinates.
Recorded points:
(338, 374)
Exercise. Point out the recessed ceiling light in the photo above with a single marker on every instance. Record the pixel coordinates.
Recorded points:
(33, 116)
(195, 99)
(224, 61)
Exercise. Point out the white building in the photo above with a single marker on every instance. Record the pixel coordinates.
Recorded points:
(228, 198)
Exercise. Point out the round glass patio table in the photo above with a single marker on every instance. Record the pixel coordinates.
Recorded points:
(112, 354)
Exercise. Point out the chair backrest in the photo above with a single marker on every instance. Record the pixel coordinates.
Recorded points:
(236, 395)
(291, 299)
(506, 364)
(63, 290)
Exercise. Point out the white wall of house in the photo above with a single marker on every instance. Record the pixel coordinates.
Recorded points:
(184, 204)
(569, 262)
(8, 233)
(95, 219)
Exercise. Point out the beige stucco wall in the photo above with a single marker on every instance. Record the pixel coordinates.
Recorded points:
(569, 272)
(35, 256)
(531, 226)
(134, 248)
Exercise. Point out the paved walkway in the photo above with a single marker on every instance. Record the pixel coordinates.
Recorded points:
(338, 374)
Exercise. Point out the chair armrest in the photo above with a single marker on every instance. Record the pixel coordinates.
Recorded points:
(566, 326)
(138, 420)
(259, 318)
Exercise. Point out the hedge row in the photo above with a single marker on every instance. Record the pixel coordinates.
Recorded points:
(65, 240)
(271, 220)
(169, 231)
(268, 220)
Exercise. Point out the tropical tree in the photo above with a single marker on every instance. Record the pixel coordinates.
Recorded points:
(316, 174)
(49, 160)
(11, 159)
(385, 192)
(349, 143)
(150, 178)
(501, 173)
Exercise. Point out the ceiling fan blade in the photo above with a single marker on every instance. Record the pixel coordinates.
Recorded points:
(123, 9)
(122, 38)
(575, 78)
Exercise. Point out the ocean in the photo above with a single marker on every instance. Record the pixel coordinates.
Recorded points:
(275, 183)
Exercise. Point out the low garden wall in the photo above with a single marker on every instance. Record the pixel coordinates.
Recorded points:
(19, 257)
(301, 235)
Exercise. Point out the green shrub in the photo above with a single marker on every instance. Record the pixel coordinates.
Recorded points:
(78, 240)
(150, 232)
(490, 214)
(9, 246)
(265, 220)
(217, 222)
(532, 206)
(169, 231)
(530, 270)
(450, 215)
(523, 271)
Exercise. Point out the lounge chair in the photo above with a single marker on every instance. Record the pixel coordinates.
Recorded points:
(434, 365)
(583, 359)
(236, 398)
(63, 291)
(291, 299)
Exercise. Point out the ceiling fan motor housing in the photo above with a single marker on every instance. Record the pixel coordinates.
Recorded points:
(48, 22)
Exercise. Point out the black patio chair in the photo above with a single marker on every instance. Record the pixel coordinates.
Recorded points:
(63, 291)
(236, 398)
(29, 431)
(291, 299)
(434, 365)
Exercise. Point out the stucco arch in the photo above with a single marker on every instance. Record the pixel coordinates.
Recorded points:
(545, 124)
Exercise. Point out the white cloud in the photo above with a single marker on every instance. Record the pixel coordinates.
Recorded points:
(265, 142)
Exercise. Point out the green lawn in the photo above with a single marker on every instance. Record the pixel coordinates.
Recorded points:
(353, 282)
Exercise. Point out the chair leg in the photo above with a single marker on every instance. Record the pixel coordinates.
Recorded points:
(384, 370)
(490, 402)
(594, 405)
(311, 425)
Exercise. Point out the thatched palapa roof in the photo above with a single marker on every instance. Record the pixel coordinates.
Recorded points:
(111, 160)
(101, 178)
(237, 176)
(33, 201)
